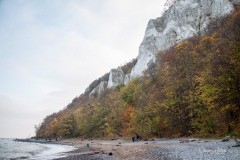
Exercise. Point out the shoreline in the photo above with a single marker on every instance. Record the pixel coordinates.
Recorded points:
(176, 148)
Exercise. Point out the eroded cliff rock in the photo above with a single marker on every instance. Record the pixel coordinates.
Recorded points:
(181, 21)
(126, 79)
(184, 19)
(99, 89)
(116, 77)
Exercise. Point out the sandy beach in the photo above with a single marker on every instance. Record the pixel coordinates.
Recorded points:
(101, 149)
(157, 149)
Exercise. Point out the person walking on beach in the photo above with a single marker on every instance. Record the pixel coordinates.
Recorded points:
(133, 138)
(138, 137)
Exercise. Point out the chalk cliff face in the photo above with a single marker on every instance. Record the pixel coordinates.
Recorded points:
(126, 79)
(181, 21)
(116, 77)
(99, 89)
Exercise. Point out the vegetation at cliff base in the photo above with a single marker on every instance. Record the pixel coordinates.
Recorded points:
(192, 88)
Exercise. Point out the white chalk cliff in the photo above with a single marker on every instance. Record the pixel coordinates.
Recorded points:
(184, 19)
(116, 77)
(181, 21)
(99, 89)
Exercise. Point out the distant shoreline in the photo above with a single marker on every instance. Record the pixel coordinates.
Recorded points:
(41, 140)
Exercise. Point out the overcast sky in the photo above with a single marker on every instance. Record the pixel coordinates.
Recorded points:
(51, 50)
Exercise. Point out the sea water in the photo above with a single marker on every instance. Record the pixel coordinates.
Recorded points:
(11, 150)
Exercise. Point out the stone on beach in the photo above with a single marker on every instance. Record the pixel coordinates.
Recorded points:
(237, 142)
(188, 140)
(226, 139)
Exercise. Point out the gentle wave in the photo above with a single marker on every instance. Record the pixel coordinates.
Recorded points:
(10, 149)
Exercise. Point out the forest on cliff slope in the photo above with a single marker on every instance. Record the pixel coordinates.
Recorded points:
(193, 88)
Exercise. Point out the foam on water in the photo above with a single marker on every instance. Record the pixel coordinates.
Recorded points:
(24, 150)
(52, 151)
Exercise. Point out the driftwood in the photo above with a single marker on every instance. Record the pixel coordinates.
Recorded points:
(145, 139)
(237, 142)
(113, 139)
(226, 139)
(188, 140)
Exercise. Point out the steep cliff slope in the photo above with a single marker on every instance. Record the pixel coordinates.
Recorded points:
(182, 20)
(193, 91)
